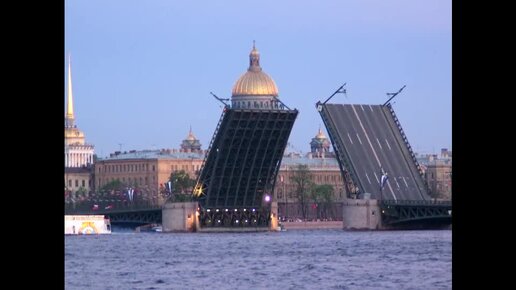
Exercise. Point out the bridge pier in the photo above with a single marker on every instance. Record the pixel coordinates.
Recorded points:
(183, 217)
(180, 217)
(361, 214)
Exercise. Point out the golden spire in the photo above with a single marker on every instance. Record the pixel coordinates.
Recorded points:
(69, 107)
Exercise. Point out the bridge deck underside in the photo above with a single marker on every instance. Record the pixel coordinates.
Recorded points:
(371, 141)
(244, 158)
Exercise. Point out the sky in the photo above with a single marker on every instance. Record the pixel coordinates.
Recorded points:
(142, 71)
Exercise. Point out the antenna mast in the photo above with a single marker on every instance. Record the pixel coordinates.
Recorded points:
(339, 90)
(220, 100)
(393, 95)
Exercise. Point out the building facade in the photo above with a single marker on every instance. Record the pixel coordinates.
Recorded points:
(148, 170)
(439, 178)
(438, 173)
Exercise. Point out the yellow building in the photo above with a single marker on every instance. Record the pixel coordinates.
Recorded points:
(439, 178)
(149, 170)
(438, 173)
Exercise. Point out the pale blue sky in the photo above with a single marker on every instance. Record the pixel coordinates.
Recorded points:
(142, 70)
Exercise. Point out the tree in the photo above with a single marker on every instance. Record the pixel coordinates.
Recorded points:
(181, 186)
(113, 185)
(325, 198)
(315, 199)
(181, 182)
(81, 191)
(302, 180)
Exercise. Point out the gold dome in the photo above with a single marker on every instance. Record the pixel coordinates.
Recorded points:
(191, 136)
(320, 135)
(255, 82)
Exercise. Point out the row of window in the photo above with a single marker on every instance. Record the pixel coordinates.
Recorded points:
(319, 178)
(293, 195)
(255, 104)
(441, 176)
(140, 167)
(132, 181)
(83, 183)
(185, 167)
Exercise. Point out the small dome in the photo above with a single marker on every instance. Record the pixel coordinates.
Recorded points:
(190, 136)
(320, 135)
(255, 82)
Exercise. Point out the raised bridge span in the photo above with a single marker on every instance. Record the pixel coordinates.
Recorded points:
(369, 143)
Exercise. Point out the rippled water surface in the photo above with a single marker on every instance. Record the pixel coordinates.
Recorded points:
(296, 259)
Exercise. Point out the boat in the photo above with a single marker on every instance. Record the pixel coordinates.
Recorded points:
(157, 229)
(149, 228)
(87, 225)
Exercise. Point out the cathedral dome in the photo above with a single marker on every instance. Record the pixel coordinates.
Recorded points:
(255, 82)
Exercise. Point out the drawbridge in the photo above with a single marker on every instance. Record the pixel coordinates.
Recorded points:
(236, 182)
(377, 162)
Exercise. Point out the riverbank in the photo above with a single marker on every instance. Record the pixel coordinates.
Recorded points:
(312, 225)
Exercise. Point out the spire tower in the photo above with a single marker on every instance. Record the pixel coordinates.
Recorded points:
(69, 117)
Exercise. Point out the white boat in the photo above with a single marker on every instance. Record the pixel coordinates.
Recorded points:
(158, 229)
(87, 225)
(149, 228)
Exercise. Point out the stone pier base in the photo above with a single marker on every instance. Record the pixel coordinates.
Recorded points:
(361, 214)
(180, 217)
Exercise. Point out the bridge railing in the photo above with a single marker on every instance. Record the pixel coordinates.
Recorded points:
(416, 202)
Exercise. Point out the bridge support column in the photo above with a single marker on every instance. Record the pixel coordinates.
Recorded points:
(180, 217)
(361, 214)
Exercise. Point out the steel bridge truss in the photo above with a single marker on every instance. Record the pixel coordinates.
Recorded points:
(241, 166)
(396, 213)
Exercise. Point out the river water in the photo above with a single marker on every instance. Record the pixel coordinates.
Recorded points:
(296, 259)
